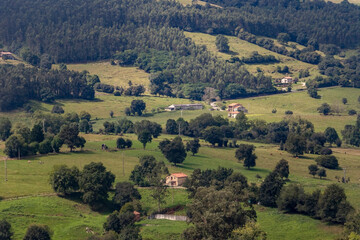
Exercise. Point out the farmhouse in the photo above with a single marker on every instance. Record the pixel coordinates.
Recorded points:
(176, 179)
(7, 55)
(235, 108)
(174, 107)
(287, 80)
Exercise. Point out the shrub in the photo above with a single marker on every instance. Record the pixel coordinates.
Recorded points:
(128, 143)
(321, 173)
(313, 169)
(326, 151)
(38, 232)
(324, 109)
(274, 110)
(352, 112)
(5, 230)
(117, 93)
(57, 109)
(328, 161)
(120, 143)
(288, 112)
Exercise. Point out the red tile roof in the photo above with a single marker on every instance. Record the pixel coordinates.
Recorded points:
(179, 175)
(235, 112)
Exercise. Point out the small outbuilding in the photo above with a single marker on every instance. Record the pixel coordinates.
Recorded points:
(7, 55)
(287, 80)
(175, 107)
(176, 179)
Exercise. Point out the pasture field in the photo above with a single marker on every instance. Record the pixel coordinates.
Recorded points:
(27, 196)
(241, 48)
(305, 107)
(259, 108)
(113, 74)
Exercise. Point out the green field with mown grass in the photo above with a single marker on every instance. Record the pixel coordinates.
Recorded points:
(69, 218)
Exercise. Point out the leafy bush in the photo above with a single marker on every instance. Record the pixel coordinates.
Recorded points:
(328, 161)
(352, 112)
(326, 151)
(288, 112)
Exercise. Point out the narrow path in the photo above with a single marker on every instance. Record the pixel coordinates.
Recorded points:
(29, 196)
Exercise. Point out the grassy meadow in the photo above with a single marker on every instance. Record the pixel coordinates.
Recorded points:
(27, 196)
(241, 48)
(259, 108)
(113, 74)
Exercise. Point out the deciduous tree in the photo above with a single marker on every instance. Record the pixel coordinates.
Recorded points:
(245, 152)
(193, 146)
(5, 128)
(64, 180)
(95, 182)
(174, 151)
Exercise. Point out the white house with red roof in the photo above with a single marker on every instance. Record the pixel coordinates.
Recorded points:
(176, 179)
(287, 80)
(235, 108)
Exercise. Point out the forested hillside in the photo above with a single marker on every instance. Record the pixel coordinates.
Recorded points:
(148, 34)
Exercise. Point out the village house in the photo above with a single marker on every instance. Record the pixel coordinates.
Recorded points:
(235, 108)
(176, 179)
(287, 80)
(175, 107)
(7, 55)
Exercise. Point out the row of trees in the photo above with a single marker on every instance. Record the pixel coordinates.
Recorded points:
(295, 135)
(19, 84)
(48, 134)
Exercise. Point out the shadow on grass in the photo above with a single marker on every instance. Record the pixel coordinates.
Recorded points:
(35, 105)
(188, 166)
(102, 208)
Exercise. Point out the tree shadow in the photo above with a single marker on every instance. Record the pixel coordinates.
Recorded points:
(188, 166)
(102, 208)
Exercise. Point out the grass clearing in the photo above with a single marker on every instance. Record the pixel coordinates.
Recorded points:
(241, 48)
(113, 74)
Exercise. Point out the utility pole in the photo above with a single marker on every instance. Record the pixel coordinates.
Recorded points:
(5, 169)
(344, 180)
(43, 125)
(123, 163)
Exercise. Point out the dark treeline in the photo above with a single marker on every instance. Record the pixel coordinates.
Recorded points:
(67, 32)
(307, 54)
(305, 21)
(18, 84)
(106, 25)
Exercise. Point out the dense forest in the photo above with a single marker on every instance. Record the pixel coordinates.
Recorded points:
(148, 34)
(18, 84)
